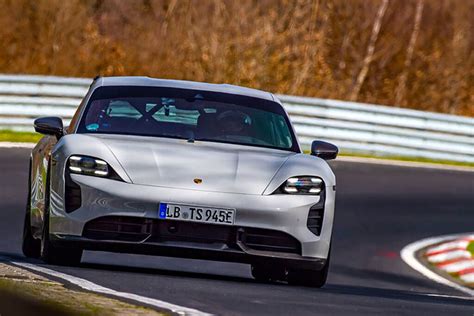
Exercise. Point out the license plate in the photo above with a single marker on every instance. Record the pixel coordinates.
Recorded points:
(201, 214)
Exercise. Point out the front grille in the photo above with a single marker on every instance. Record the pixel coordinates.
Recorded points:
(192, 232)
(134, 229)
(118, 228)
(269, 240)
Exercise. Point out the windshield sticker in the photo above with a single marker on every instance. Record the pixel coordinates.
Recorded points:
(92, 127)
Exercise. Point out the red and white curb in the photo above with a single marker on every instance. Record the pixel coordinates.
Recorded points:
(454, 258)
(444, 253)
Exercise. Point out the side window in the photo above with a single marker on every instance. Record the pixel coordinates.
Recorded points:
(284, 135)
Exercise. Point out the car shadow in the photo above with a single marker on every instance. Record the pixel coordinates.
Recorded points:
(330, 288)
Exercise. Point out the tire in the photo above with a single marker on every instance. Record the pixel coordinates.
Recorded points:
(51, 253)
(268, 272)
(31, 247)
(310, 278)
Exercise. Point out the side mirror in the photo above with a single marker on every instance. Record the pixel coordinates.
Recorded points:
(324, 150)
(51, 125)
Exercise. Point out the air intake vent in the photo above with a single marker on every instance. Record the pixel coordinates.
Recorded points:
(119, 228)
(315, 220)
(316, 216)
(72, 194)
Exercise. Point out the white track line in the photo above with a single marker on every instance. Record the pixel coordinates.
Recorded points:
(408, 255)
(89, 286)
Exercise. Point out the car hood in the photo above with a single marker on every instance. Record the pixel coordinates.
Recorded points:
(204, 166)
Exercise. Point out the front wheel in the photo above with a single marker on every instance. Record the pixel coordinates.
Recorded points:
(54, 254)
(310, 278)
(31, 247)
(57, 255)
(268, 273)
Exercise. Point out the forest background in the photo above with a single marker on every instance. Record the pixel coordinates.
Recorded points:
(405, 53)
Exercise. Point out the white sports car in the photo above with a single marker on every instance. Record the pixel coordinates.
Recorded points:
(183, 169)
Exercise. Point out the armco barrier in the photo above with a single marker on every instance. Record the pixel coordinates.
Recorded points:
(354, 127)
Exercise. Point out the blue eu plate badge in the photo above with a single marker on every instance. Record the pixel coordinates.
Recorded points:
(162, 210)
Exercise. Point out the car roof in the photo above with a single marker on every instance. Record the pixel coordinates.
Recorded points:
(182, 84)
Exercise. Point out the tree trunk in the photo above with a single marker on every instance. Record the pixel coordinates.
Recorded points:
(369, 56)
(402, 84)
(310, 50)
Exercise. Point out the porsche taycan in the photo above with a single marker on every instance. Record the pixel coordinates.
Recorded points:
(182, 169)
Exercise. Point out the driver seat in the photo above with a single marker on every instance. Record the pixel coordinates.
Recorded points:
(207, 126)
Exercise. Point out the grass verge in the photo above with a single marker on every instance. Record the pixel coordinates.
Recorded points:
(19, 137)
(25, 293)
(412, 159)
(407, 159)
(470, 248)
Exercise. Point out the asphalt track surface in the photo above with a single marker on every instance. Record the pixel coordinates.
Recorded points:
(379, 209)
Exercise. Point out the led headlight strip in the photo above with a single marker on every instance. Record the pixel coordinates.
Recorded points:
(88, 166)
(302, 185)
(91, 166)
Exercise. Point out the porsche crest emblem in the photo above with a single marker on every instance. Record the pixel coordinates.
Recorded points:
(198, 181)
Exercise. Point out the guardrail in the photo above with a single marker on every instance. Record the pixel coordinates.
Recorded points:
(354, 127)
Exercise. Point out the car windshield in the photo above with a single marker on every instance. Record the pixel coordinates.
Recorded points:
(188, 114)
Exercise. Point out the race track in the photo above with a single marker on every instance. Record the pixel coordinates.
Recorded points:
(379, 209)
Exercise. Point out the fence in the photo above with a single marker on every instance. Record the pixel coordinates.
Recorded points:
(354, 127)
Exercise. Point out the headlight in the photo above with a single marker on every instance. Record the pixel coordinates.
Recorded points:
(88, 165)
(302, 185)
(92, 167)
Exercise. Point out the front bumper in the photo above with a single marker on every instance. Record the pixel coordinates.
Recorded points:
(282, 213)
(219, 253)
